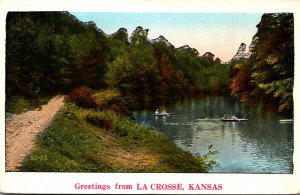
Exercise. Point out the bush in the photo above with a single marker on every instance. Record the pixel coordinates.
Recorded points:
(105, 123)
(18, 105)
(82, 96)
(103, 96)
(110, 99)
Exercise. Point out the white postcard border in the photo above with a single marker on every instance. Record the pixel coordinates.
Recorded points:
(14, 182)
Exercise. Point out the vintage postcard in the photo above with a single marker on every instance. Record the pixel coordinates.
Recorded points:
(150, 97)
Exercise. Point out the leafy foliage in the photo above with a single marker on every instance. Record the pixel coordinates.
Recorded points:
(52, 52)
(19, 105)
(82, 96)
(241, 82)
(208, 158)
(269, 73)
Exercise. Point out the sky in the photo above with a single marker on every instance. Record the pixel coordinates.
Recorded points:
(218, 33)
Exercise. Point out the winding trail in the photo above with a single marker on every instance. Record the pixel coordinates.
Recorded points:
(22, 129)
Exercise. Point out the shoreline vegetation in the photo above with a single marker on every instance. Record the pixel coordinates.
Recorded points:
(107, 77)
(82, 139)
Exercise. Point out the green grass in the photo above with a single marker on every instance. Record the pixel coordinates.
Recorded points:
(81, 140)
(68, 144)
(19, 104)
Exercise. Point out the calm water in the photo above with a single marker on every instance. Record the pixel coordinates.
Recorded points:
(260, 145)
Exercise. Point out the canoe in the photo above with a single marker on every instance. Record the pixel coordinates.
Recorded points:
(286, 120)
(234, 120)
(162, 114)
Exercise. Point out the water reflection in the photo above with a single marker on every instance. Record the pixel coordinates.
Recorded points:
(260, 145)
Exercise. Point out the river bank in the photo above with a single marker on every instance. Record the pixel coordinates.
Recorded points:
(85, 140)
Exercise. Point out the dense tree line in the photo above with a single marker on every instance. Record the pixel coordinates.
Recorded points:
(268, 75)
(52, 52)
(151, 72)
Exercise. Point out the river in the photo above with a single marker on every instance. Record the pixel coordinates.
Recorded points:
(260, 145)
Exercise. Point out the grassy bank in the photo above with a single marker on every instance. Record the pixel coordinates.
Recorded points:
(85, 140)
(19, 104)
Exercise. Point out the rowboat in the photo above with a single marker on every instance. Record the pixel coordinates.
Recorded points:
(234, 120)
(162, 114)
(286, 120)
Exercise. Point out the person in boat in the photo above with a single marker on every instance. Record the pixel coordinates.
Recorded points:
(157, 111)
(224, 117)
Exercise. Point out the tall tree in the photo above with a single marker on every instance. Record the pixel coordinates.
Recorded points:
(273, 70)
(271, 63)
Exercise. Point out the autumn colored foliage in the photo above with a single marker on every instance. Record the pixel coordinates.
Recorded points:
(52, 52)
(82, 96)
(269, 73)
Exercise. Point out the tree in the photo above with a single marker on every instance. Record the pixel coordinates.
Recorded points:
(241, 82)
(274, 58)
(269, 71)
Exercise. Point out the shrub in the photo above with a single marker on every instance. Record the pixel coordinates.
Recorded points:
(118, 106)
(110, 99)
(18, 105)
(82, 96)
(105, 123)
(105, 95)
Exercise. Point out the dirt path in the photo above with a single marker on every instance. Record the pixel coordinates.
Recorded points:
(21, 131)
